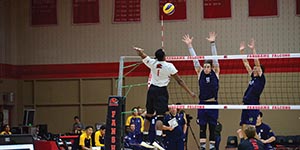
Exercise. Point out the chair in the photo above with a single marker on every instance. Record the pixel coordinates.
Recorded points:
(281, 140)
(232, 142)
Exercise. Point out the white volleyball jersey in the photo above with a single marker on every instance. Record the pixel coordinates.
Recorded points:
(161, 71)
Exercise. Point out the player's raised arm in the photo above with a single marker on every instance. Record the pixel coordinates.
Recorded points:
(188, 41)
(212, 39)
(245, 61)
(183, 85)
(251, 45)
(140, 52)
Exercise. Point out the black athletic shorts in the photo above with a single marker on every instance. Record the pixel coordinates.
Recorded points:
(157, 100)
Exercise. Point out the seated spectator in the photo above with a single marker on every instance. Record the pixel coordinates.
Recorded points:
(264, 132)
(251, 143)
(133, 139)
(5, 130)
(135, 119)
(77, 126)
(85, 139)
(99, 137)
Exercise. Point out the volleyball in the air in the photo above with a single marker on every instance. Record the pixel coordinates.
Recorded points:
(169, 9)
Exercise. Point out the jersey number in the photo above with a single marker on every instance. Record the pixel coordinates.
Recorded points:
(158, 67)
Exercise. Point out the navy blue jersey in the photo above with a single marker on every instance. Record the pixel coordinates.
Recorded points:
(208, 86)
(265, 132)
(177, 132)
(138, 121)
(133, 137)
(251, 144)
(254, 90)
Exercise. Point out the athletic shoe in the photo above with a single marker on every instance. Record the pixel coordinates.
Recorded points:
(146, 145)
(212, 146)
(202, 146)
(156, 145)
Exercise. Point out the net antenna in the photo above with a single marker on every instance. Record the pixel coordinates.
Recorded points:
(282, 91)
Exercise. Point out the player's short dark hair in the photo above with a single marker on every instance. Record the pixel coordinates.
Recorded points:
(208, 62)
(160, 54)
(250, 131)
(87, 127)
(3, 127)
(76, 117)
(260, 114)
(103, 127)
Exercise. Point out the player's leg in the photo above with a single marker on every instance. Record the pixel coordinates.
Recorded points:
(150, 112)
(243, 122)
(170, 145)
(160, 107)
(248, 117)
(202, 121)
(213, 117)
(253, 118)
(180, 144)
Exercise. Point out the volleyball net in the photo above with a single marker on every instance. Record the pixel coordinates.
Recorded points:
(281, 92)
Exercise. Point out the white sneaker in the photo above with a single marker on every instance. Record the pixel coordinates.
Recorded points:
(146, 145)
(156, 145)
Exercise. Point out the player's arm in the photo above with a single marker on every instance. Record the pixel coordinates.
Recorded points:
(166, 125)
(97, 139)
(269, 140)
(188, 41)
(245, 61)
(85, 148)
(140, 52)
(251, 45)
(167, 128)
(271, 136)
(183, 85)
(185, 123)
(212, 39)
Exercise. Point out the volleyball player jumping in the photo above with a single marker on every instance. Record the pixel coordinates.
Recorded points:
(254, 90)
(157, 96)
(208, 76)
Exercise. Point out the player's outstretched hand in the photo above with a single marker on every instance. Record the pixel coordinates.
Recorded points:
(242, 46)
(187, 40)
(251, 44)
(140, 52)
(193, 95)
(212, 37)
(137, 48)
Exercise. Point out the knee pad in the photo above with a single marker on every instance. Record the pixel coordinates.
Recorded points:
(202, 131)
